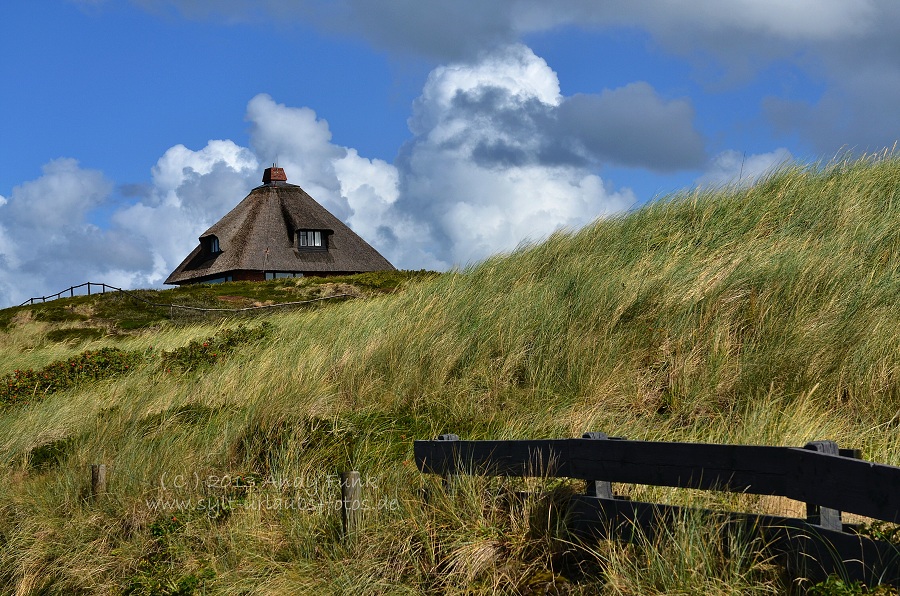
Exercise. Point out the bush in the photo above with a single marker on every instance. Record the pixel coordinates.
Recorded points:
(90, 365)
(200, 354)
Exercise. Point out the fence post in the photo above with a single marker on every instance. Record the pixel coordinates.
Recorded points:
(351, 502)
(825, 517)
(98, 480)
(597, 488)
(89, 288)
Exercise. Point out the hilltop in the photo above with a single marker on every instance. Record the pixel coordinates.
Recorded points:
(762, 315)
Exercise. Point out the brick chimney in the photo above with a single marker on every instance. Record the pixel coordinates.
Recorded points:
(274, 174)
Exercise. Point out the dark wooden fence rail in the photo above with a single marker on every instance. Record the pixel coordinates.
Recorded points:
(71, 292)
(828, 479)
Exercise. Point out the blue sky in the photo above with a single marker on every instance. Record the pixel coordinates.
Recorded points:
(441, 132)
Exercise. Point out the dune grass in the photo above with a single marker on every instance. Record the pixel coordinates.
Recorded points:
(766, 315)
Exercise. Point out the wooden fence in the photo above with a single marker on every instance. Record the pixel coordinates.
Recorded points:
(71, 292)
(828, 479)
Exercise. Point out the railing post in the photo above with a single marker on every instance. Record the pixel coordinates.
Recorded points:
(89, 288)
(824, 517)
(597, 488)
(351, 501)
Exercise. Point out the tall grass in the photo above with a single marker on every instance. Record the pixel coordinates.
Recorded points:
(764, 315)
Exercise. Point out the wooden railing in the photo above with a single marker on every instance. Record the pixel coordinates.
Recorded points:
(828, 479)
(71, 292)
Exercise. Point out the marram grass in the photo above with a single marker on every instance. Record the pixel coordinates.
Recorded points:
(766, 315)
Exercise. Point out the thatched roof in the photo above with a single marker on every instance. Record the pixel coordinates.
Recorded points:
(259, 234)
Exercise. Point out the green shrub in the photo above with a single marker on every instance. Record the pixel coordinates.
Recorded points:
(21, 385)
(200, 354)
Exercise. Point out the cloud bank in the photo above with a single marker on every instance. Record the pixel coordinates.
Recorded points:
(454, 30)
(848, 47)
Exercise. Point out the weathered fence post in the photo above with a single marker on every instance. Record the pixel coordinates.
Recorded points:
(597, 488)
(98, 480)
(351, 501)
(825, 517)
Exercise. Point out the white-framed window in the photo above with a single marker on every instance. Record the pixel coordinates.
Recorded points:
(310, 239)
(212, 243)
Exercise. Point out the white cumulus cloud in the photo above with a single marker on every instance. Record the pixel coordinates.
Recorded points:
(477, 170)
(179, 164)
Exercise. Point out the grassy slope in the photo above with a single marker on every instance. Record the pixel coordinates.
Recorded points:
(37, 335)
(766, 315)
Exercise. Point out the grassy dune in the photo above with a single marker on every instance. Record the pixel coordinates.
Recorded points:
(763, 315)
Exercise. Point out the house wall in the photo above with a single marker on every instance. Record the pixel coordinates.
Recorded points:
(247, 275)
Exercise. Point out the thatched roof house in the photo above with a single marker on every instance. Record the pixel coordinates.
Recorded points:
(276, 231)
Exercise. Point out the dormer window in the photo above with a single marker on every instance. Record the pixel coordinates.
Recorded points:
(212, 245)
(311, 240)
